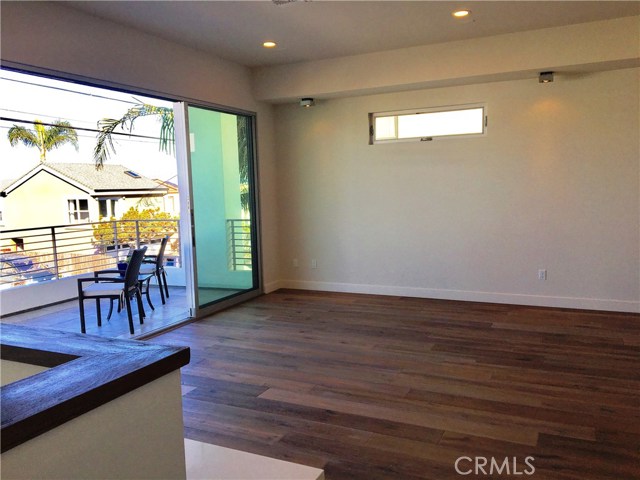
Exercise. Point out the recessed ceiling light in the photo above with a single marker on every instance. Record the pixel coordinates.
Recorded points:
(269, 44)
(461, 13)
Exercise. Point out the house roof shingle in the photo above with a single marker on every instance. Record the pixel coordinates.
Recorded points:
(5, 183)
(108, 178)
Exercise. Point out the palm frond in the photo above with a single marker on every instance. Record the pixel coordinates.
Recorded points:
(167, 132)
(107, 126)
(104, 141)
(18, 134)
(59, 134)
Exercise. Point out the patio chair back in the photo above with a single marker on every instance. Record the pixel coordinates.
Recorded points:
(153, 265)
(160, 256)
(133, 269)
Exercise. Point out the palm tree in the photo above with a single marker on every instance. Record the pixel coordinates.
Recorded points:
(107, 126)
(46, 138)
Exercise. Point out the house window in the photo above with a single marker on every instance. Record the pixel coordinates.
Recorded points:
(78, 210)
(426, 124)
(107, 207)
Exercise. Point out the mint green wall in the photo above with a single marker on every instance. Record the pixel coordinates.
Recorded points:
(216, 196)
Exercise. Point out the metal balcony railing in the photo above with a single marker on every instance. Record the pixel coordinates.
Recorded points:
(39, 254)
(239, 242)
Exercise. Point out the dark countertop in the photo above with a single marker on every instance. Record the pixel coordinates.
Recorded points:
(85, 372)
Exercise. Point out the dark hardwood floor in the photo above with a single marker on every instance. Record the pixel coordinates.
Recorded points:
(371, 387)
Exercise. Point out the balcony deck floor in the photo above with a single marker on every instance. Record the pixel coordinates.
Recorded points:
(66, 317)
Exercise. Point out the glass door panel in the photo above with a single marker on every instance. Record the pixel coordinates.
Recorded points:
(222, 205)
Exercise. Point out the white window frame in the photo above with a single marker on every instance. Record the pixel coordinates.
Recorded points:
(110, 205)
(400, 113)
(75, 214)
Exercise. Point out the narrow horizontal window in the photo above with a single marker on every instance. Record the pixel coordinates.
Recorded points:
(424, 125)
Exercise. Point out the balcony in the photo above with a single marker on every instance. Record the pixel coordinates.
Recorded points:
(39, 267)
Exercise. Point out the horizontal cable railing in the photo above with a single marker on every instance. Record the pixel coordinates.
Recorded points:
(38, 254)
(239, 243)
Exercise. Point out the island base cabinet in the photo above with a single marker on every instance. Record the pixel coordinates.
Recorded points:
(136, 436)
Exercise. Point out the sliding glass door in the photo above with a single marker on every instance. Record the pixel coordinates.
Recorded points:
(218, 165)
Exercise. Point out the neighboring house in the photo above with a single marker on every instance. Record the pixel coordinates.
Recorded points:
(171, 200)
(64, 193)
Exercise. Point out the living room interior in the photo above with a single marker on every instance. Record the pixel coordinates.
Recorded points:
(528, 233)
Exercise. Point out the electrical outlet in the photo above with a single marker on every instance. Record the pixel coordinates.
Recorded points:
(295, 263)
(314, 263)
(542, 274)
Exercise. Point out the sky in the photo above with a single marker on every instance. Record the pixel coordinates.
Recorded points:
(29, 97)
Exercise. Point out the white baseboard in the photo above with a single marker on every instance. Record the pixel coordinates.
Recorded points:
(273, 286)
(466, 295)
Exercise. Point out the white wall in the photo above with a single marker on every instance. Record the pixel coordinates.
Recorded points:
(268, 201)
(554, 184)
(48, 35)
(138, 435)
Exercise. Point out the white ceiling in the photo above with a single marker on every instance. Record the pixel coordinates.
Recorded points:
(313, 30)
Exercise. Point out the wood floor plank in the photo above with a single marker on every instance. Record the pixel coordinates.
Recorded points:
(523, 435)
(372, 387)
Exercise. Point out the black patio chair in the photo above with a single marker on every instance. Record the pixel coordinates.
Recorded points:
(153, 266)
(114, 288)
